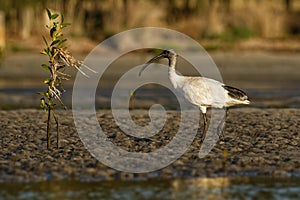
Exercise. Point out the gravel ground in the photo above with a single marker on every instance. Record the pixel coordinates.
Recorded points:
(257, 142)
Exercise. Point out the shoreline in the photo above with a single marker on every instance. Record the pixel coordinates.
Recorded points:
(258, 142)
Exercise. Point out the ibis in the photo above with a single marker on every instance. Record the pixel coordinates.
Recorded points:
(201, 91)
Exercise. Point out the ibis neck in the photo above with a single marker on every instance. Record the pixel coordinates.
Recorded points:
(173, 76)
(172, 62)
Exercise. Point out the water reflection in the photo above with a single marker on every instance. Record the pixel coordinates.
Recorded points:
(200, 188)
(175, 189)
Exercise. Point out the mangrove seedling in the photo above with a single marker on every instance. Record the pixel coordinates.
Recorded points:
(59, 58)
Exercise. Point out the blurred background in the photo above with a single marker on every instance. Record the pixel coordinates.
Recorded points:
(254, 43)
(218, 24)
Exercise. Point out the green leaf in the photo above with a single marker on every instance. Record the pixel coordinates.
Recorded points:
(43, 52)
(63, 25)
(62, 19)
(61, 43)
(51, 103)
(54, 42)
(47, 81)
(46, 51)
(59, 34)
(46, 67)
(42, 94)
(48, 13)
(52, 31)
(42, 102)
(53, 52)
(45, 40)
(54, 16)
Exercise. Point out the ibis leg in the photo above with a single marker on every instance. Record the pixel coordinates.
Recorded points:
(204, 126)
(221, 126)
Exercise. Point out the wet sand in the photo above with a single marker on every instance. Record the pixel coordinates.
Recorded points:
(259, 142)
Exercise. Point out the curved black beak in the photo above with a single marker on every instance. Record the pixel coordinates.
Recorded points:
(158, 57)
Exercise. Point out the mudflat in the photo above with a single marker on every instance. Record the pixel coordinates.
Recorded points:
(257, 142)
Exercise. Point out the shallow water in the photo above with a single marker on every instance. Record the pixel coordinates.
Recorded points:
(269, 79)
(157, 189)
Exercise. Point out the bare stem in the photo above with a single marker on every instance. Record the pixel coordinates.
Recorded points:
(48, 128)
(57, 131)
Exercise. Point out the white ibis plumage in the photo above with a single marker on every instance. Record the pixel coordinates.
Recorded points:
(200, 91)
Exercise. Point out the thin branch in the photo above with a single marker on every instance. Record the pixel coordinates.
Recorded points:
(89, 68)
(48, 128)
(57, 131)
(56, 95)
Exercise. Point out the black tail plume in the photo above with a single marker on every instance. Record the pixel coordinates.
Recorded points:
(236, 93)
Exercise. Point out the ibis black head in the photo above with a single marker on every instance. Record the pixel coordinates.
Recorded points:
(168, 53)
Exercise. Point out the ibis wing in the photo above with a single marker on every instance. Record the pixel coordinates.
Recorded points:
(235, 93)
(204, 91)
